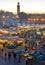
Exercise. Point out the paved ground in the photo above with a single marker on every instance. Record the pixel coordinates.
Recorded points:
(14, 61)
(11, 61)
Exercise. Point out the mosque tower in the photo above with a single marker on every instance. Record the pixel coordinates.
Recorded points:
(18, 8)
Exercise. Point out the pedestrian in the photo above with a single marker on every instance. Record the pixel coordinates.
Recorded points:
(19, 58)
(9, 55)
(5, 55)
(26, 62)
(2, 51)
(25, 48)
(14, 55)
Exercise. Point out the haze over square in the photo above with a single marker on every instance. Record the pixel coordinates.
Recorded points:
(28, 6)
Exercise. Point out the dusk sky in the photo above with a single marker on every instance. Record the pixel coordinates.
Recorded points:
(28, 6)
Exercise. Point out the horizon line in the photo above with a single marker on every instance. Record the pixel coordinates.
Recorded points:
(14, 12)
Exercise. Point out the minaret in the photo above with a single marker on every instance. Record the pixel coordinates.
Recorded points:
(18, 8)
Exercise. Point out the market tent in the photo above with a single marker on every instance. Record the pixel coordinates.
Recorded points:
(18, 40)
(41, 57)
(20, 52)
(34, 54)
(12, 46)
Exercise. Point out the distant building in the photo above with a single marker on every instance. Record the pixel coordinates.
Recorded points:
(18, 8)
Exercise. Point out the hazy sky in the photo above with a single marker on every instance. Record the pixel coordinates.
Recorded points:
(32, 6)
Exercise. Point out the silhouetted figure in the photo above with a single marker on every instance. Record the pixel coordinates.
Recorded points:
(5, 55)
(25, 48)
(9, 55)
(14, 55)
(3, 45)
(26, 62)
(2, 51)
(19, 58)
